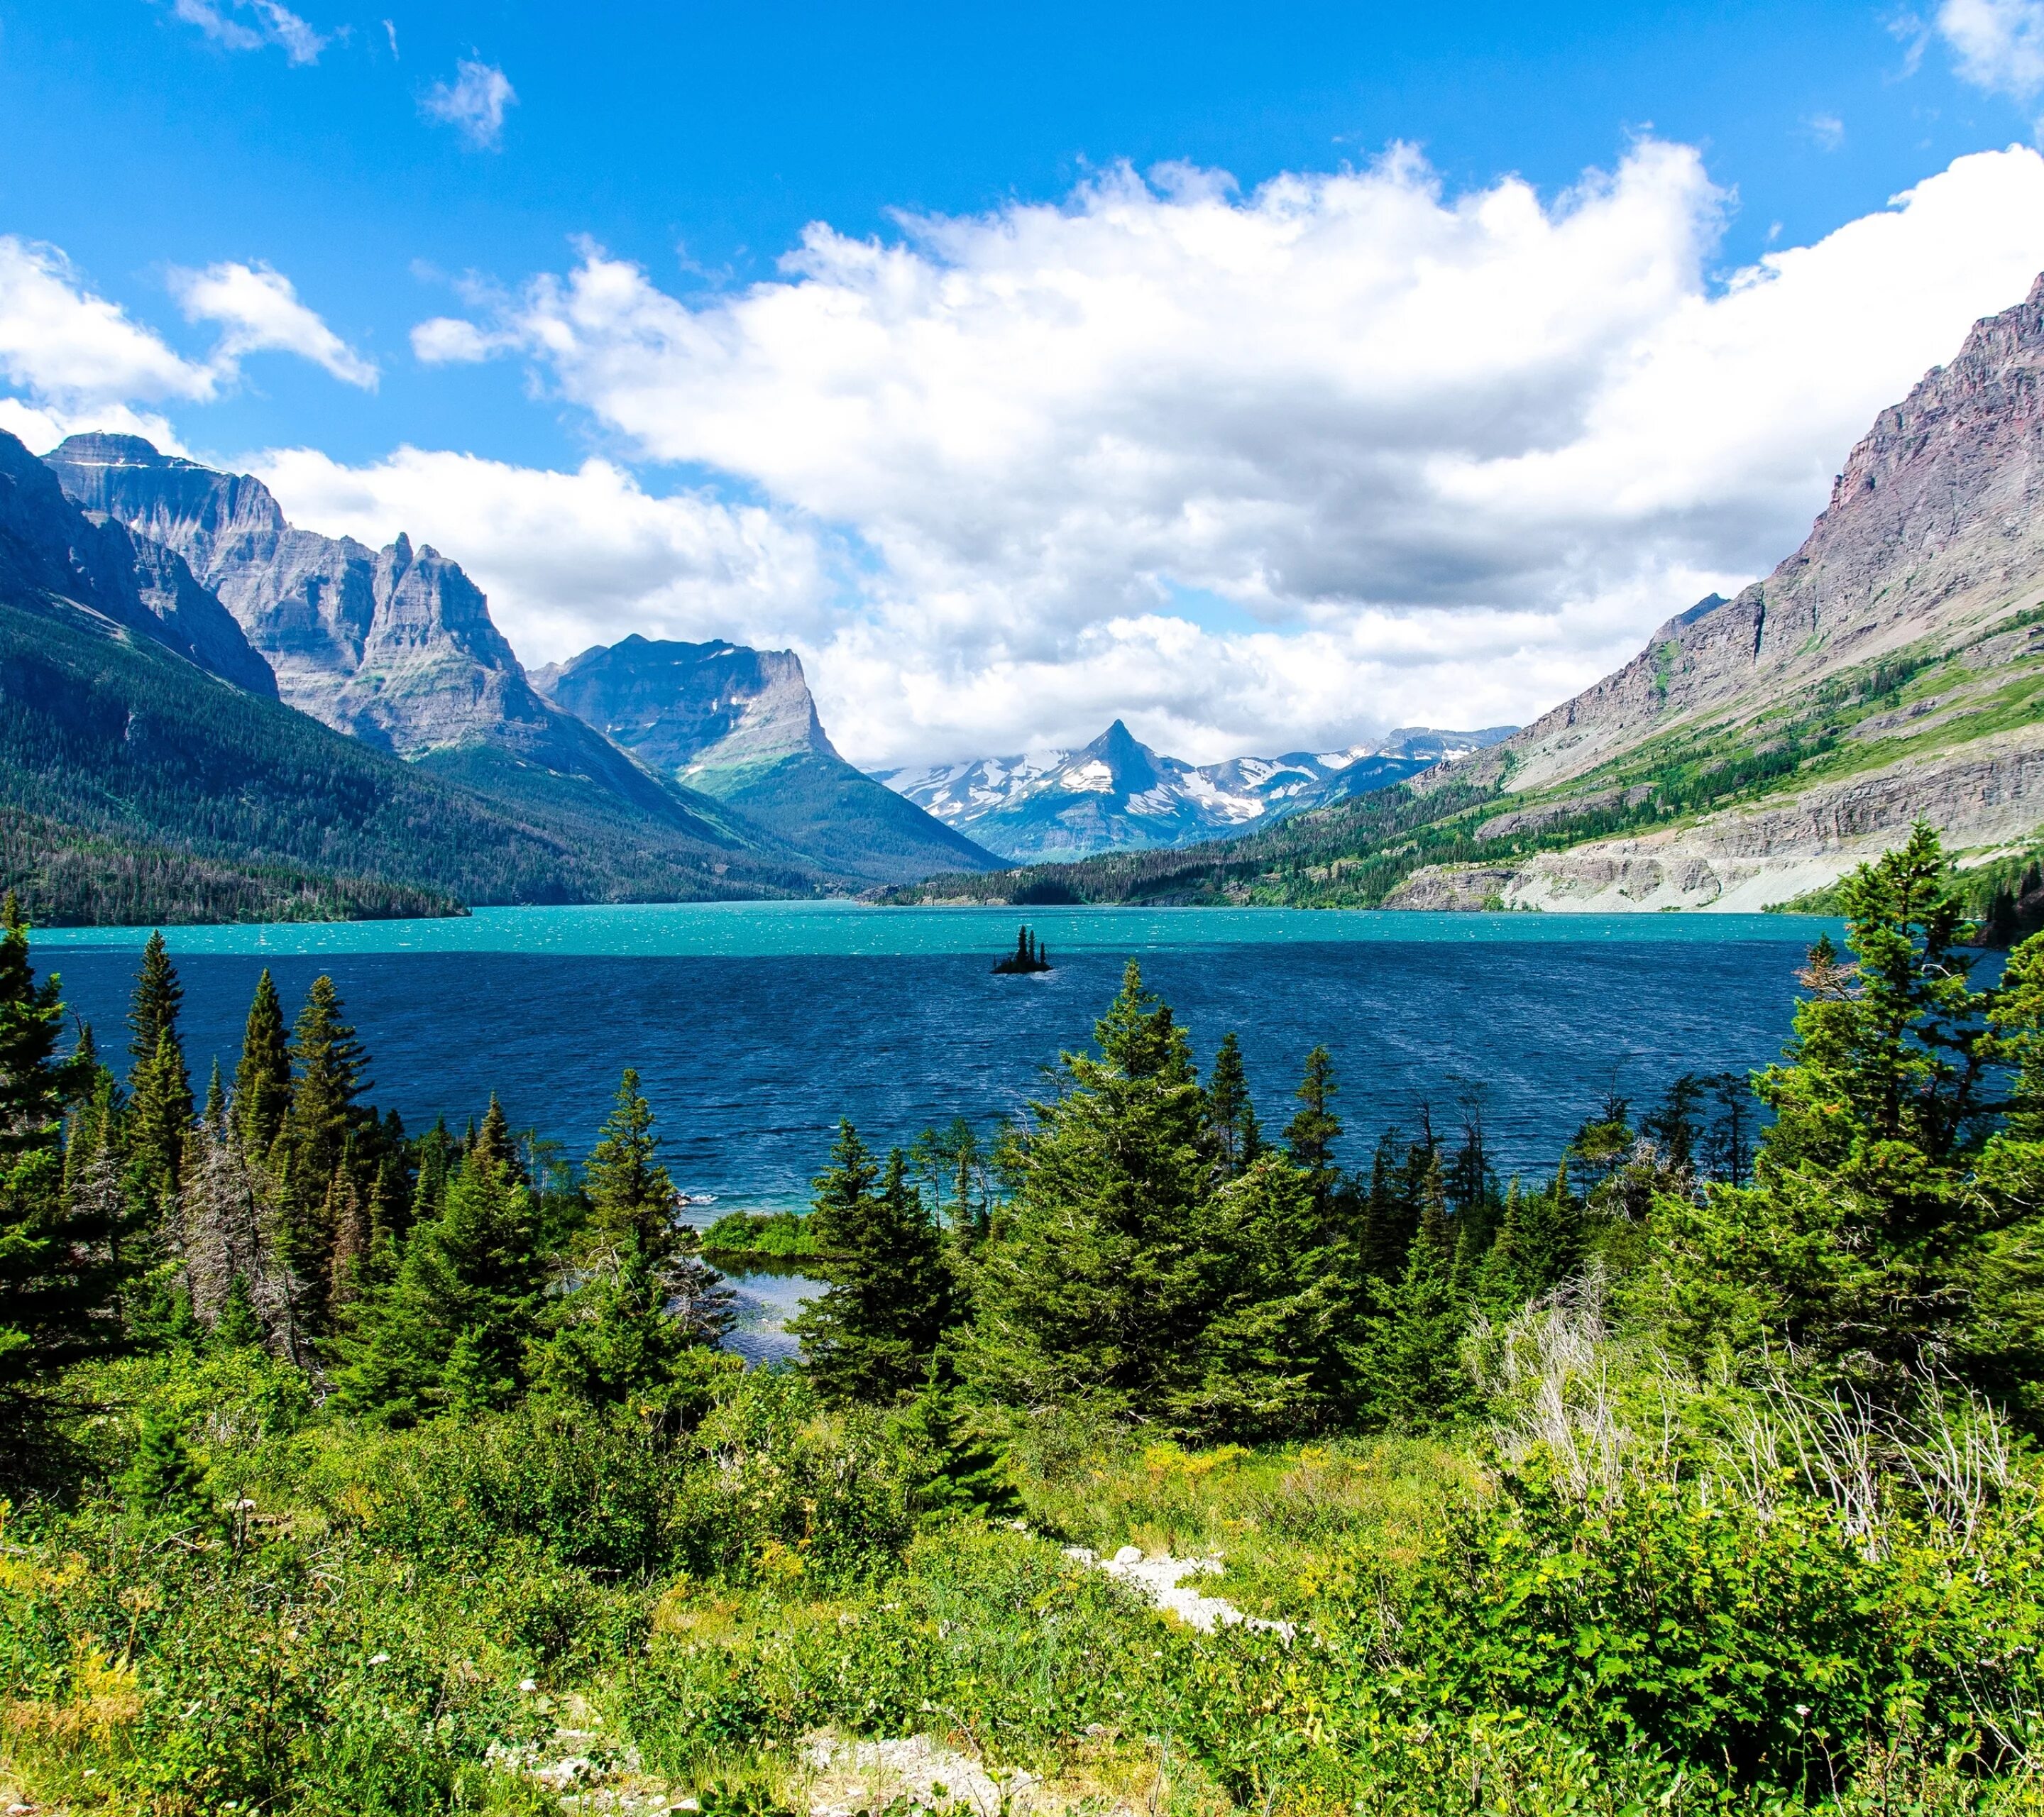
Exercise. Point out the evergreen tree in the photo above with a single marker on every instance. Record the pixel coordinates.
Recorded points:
(160, 1120)
(1391, 1213)
(152, 1013)
(327, 1081)
(952, 1469)
(237, 1327)
(1311, 1135)
(1230, 1116)
(60, 1263)
(631, 1199)
(617, 1340)
(1420, 1381)
(455, 1322)
(869, 1336)
(262, 1077)
(1094, 1282)
(436, 1153)
(164, 1482)
(1857, 1241)
(493, 1145)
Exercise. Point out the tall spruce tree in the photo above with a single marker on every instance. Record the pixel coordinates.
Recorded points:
(450, 1332)
(61, 1266)
(328, 1063)
(152, 1010)
(631, 1197)
(1311, 1135)
(263, 1076)
(160, 1120)
(1095, 1282)
(1420, 1382)
(1231, 1115)
(870, 1337)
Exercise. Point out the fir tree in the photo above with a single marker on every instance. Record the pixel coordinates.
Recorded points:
(631, 1199)
(159, 1119)
(455, 1320)
(869, 1336)
(262, 1077)
(152, 1013)
(1311, 1135)
(1420, 1381)
(1391, 1213)
(1230, 1116)
(1094, 1282)
(237, 1327)
(951, 1470)
(618, 1340)
(493, 1146)
(61, 1264)
(164, 1482)
(327, 1080)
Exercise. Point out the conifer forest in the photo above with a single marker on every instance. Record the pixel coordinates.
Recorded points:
(1141, 1454)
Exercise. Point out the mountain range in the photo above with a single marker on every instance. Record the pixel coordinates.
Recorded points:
(1891, 669)
(1116, 794)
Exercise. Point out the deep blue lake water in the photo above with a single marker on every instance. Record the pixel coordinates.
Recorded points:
(756, 1026)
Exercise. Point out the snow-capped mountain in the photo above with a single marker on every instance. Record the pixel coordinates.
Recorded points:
(1116, 794)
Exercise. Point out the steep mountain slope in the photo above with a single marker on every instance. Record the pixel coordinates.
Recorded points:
(394, 646)
(740, 725)
(1117, 795)
(137, 781)
(46, 546)
(1758, 747)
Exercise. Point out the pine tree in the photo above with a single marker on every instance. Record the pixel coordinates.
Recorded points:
(152, 1013)
(237, 1328)
(1094, 1283)
(263, 1077)
(1420, 1381)
(159, 1119)
(493, 1146)
(1391, 1213)
(869, 1336)
(164, 1482)
(631, 1199)
(329, 1062)
(61, 1264)
(618, 1338)
(455, 1320)
(951, 1470)
(1311, 1135)
(436, 1153)
(1231, 1115)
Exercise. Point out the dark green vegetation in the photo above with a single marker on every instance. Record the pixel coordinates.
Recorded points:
(138, 781)
(783, 1236)
(1926, 699)
(354, 1471)
(1028, 957)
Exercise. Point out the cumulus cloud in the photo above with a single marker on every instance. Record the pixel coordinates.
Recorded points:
(74, 351)
(570, 560)
(473, 103)
(258, 309)
(250, 25)
(1455, 454)
(1997, 45)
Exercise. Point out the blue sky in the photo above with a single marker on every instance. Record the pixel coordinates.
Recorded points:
(150, 140)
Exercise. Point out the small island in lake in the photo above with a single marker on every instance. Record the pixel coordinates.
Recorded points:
(1028, 956)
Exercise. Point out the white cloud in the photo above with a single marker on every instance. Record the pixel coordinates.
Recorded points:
(258, 309)
(227, 23)
(474, 103)
(1826, 131)
(570, 560)
(74, 350)
(1998, 44)
(1459, 453)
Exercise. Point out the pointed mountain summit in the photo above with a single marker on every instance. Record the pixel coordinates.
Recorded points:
(741, 726)
(395, 645)
(1116, 794)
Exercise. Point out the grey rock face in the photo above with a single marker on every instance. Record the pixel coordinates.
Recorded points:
(1116, 794)
(395, 645)
(690, 709)
(741, 725)
(48, 545)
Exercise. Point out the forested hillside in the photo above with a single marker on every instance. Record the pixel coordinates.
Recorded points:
(353, 1468)
(132, 771)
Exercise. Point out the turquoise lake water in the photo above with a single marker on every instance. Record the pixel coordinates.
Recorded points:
(755, 1026)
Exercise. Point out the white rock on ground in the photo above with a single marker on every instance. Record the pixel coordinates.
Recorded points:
(1161, 1582)
(869, 1775)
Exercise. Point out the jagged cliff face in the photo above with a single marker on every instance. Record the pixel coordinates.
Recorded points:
(1925, 563)
(691, 708)
(394, 646)
(48, 545)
